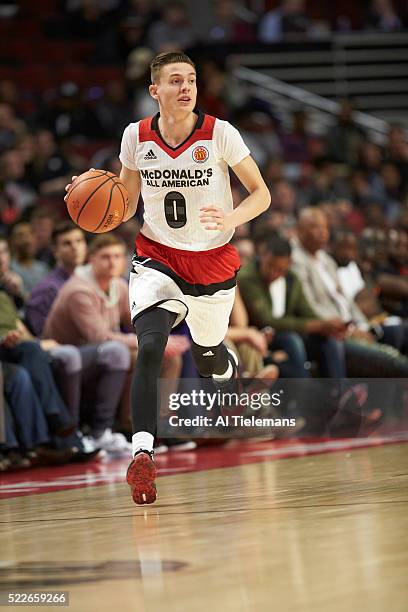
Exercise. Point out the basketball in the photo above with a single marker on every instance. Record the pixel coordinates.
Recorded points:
(97, 201)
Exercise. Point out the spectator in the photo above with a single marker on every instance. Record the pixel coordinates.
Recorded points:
(93, 306)
(15, 348)
(69, 248)
(70, 117)
(274, 171)
(397, 153)
(345, 138)
(326, 186)
(29, 442)
(317, 272)
(9, 93)
(146, 10)
(383, 17)
(289, 18)
(138, 78)
(42, 223)
(23, 262)
(18, 194)
(246, 250)
(392, 191)
(50, 169)
(282, 217)
(388, 330)
(296, 143)
(114, 110)
(173, 31)
(273, 297)
(11, 128)
(222, 94)
(370, 163)
(69, 362)
(85, 19)
(228, 27)
(10, 282)
(94, 372)
(391, 272)
(249, 343)
(258, 130)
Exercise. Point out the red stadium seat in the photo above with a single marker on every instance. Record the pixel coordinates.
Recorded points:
(34, 76)
(76, 73)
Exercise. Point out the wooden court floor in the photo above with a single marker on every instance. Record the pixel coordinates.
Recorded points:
(325, 533)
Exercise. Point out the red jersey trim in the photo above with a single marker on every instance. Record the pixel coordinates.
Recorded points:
(148, 134)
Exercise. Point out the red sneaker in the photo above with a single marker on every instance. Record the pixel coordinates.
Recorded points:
(140, 476)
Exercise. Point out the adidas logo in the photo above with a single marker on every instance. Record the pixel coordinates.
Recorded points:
(150, 155)
(208, 354)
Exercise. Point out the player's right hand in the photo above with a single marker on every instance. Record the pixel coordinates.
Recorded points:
(73, 178)
(68, 187)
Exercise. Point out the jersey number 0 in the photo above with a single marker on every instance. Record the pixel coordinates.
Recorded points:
(175, 209)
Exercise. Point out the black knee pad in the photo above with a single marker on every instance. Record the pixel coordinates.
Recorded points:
(210, 359)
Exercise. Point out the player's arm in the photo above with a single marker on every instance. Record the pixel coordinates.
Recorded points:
(257, 202)
(131, 180)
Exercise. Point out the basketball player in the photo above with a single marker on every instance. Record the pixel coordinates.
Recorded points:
(184, 266)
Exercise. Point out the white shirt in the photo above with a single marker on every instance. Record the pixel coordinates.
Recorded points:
(334, 291)
(350, 280)
(277, 291)
(178, 181)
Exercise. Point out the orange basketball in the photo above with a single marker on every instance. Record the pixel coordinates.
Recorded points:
(97, 201)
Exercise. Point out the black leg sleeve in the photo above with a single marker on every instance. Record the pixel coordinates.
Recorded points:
(152, 329)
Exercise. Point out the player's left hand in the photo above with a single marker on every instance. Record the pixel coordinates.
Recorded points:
(214, 218)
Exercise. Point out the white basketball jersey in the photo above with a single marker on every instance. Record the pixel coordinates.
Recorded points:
(177, 182)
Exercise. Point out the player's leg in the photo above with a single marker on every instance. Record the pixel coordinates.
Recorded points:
(152, 328)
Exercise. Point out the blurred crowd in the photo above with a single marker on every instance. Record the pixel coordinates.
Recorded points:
(323, 287)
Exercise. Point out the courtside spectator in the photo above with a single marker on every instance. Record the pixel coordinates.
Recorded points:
(29, 442)
(42, 223)
(93, 307)
(317, 272)
(273, 297)
(387, 329)
(69, 249)
(93, 373)
(23, 261)
(10, 281)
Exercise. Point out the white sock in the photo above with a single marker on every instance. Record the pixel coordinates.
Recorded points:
(227, 374)
(142, 439)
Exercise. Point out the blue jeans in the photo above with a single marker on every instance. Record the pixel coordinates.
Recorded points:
(396, 336)
(30, 356)
(26, 426)
(327, 352)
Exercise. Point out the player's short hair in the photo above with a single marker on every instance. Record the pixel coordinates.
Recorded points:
(64, 227)
(105, 240)
(163, 59)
